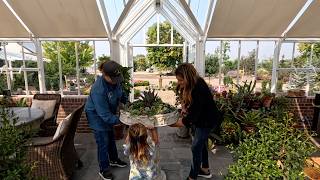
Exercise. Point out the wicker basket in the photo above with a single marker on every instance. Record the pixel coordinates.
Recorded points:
(150, 121)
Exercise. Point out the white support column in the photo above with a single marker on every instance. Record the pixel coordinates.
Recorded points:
(171, 40)
(238, 64)
(25, 75)
(293, 52)
(42, 83)
(256, 60)
(94, 60)
(77, 66)
(60, 69)
(308, 72)
(115, 53)
(275, 64)
(185, 52)
(199, 60)
(7, 64)
(220, 64)
(130, 64)
(158, 28)
(11, 72)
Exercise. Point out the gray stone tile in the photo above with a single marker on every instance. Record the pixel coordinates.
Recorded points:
(175, 157)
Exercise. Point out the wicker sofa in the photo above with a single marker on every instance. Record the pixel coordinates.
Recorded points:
(56, 157)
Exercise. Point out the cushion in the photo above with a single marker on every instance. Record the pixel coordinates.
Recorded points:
(46, 105)
(62, 127)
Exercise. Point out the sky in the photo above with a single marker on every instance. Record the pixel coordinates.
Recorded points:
(266, 48)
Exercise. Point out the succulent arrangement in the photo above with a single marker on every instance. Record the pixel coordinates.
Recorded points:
(149, 104)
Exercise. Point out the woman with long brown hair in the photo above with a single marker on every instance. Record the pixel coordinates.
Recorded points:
(200, 113)
(143, 153)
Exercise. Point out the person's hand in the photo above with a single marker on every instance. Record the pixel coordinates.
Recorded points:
(177, 124)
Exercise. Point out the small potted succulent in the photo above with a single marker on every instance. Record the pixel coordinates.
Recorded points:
(150, 111)
(249, 120)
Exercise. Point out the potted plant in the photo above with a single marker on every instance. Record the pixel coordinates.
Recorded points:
(126, 87)
(150, 111)
(249, 120)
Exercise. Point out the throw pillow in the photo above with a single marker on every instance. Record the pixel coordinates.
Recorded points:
(62, 127)
(46, 105)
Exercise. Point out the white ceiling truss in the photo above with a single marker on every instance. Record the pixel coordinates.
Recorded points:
(76, 19)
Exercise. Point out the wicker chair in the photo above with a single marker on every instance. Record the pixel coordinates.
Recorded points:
(56, 159)
(49, 125)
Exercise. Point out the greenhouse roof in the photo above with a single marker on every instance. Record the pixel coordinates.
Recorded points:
(216, 18)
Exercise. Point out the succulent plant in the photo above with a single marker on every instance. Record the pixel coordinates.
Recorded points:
(149, 98)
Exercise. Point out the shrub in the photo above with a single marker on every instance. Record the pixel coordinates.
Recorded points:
(137, 93)
(141, 83)
(277, 151)
(13, 142)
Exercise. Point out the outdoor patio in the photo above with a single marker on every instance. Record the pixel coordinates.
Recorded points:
(175, 156)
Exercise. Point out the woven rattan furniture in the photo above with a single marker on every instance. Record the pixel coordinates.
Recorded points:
(49, 125)
(56, 159)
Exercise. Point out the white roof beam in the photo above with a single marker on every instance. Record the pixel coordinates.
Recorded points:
(128, 22)
(104, 17)
(297, 17)
(73, 39)
(186, 7)
(135, 27)
(182, 30)
(123, 15)
(212, 7)
(18, 18)
(179, 16)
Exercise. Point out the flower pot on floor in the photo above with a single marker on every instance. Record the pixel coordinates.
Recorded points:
(118, 131)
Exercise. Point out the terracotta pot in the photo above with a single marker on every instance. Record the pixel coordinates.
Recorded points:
(118, 131)
(249, 129)
(296, 93)
(267, 100)
(255, 104)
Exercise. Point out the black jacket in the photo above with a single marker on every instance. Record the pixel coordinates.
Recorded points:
(202, 112)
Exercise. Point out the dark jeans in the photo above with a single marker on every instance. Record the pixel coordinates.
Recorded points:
(107, 149)
(199, 151)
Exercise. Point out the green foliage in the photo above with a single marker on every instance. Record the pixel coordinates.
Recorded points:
(149, 104)
(277, 151)
(212, 64)
(3, 82)
(68, 60)
(164, 58)
(22, 102)
(149, 97)
(212, 60)
(18, 80)
(229, 65)
(137, 93)
(231, 132)
(305, 50)
(248, 63)
(266, 86)
(141, 83)
(140, 63)
(263, 74)
(126, 83)
(227, 80)
(13, 141)
(250, 118)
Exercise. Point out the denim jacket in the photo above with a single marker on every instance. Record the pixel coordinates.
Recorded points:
(102, 103)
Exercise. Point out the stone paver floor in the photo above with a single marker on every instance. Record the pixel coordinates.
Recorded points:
(175, 157)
